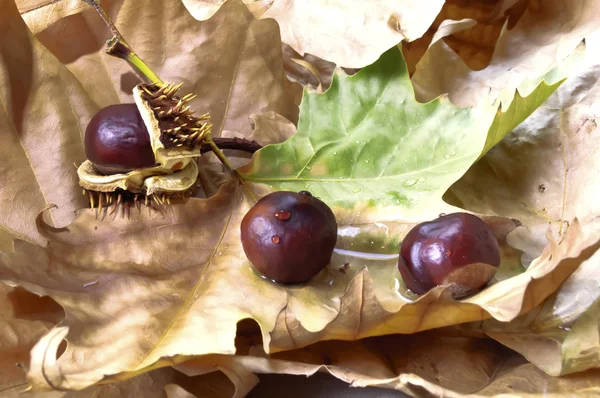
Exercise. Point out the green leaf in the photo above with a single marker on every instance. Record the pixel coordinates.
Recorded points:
(367, 141)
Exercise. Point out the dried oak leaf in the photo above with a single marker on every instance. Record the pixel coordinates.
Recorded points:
(350, 34)
(46, 105)
(149, 291)
(229, 60)
(41, 118)
(544, 172)
(561, 336)
(24, 319)
(429, 364)
(543, 36)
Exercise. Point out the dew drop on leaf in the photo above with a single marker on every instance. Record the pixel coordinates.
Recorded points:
(422, 180)
(356, 190)
(275, 239)
(410, 183)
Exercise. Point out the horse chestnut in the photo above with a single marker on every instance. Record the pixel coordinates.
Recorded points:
(117, 140)
(288, 236)
(458, 250)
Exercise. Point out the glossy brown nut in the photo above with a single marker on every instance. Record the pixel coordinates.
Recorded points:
(117, 140)
(457, 249)
(289, 237)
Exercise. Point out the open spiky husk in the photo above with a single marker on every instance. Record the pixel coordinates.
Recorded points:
(175, 136)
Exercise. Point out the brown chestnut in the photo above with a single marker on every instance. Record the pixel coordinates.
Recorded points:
(289, 237)
(117, 140)
(458, 250)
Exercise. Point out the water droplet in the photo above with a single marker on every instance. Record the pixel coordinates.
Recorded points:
(367, 161)
(90, 284)
(357, 141)
(565, 328)
(335, 154)
(453, 154)
(422, 179)
(305, 193)
(308, 167)
(275, 239)
(410, 183)
(447, 156)
(283, 215)
(356, 190)
(372, 243)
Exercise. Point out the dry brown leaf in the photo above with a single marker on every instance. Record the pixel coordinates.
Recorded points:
(428, 364)
(24, 319)
(229, 60)
(41, 137)
(175, 284)
(307, 69)
(561, 336)
(544, 173)
(543, 36)
(349, 34)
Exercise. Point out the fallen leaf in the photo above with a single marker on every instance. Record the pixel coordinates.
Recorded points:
(133, 305)
(229, 60)
(543, 173)
(349, 34)
(42, 138)
(422, 365)
(367, 146)
(542, 38)
(204, 9)
(561, 336)
(24, 319)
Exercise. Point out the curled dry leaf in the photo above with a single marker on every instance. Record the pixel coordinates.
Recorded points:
(561, 336)
(41, 118)
(544, 35)
(422, 365)
(229, 60)
(544, 173)
(350, 34)
(24, 319)
(149, 291)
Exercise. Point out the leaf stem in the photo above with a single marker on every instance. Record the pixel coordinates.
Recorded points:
(238, 144)
(227, 163)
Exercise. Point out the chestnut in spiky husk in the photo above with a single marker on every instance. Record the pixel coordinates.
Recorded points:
(458, 250)
(289, 237)
(143, 150)
(117, 140)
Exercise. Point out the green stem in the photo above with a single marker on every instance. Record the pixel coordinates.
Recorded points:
(120, 49)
